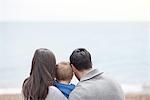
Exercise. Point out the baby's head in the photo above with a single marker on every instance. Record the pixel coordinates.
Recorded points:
(64, 72)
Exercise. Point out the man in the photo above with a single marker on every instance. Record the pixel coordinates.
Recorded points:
(93, 84)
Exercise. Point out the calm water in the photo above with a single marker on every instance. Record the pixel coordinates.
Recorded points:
(120, 49)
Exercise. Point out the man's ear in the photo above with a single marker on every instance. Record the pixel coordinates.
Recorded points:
(73, 68)
(76, 72)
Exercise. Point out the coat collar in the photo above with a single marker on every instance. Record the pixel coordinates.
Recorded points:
(92, 73)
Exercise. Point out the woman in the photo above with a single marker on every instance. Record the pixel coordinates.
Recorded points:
(39, 85)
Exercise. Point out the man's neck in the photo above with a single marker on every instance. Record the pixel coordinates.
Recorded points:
(84, 72)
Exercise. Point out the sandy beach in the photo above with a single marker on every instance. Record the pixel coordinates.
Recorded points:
(10, 97)
(137, 96)
(129, 96)
(132, 92)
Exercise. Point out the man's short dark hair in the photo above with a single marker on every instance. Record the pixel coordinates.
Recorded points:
(81, 59)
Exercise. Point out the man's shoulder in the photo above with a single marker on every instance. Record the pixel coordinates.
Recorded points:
(97, 87)
(76, 93)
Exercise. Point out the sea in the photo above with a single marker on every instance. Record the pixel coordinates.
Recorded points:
(119, 49)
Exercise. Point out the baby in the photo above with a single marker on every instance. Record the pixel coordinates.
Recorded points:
(64, 75)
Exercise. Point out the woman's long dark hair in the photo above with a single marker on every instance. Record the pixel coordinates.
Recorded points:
(42, 74)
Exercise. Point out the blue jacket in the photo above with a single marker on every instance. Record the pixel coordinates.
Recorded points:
(64, 88)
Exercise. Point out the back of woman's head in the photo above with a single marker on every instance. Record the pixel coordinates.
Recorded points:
(42, 74)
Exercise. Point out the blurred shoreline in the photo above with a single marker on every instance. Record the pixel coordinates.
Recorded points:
(127, 88)
(132, 92)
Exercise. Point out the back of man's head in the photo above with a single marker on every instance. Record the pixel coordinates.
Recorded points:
(81, 59)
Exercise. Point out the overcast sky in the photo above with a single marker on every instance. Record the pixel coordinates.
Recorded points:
(74, 10)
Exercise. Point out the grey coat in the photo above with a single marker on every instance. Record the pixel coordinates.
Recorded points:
(96, 86)
(53, 94)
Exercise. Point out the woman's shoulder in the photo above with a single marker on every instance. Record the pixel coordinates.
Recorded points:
(55, 94)
(53, 88)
